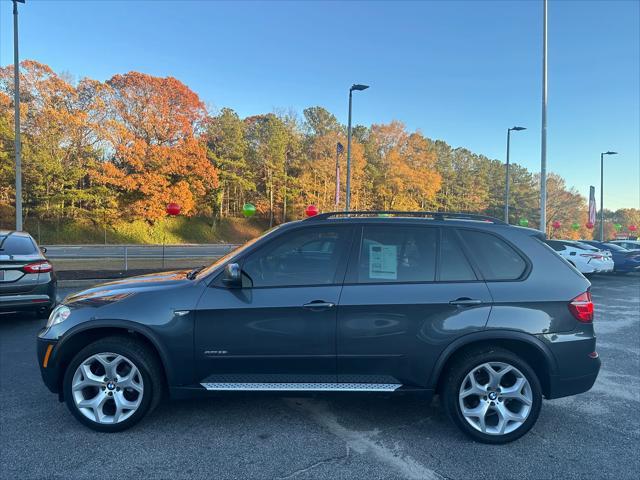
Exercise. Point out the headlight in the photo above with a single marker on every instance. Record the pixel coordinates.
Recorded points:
(59, 314)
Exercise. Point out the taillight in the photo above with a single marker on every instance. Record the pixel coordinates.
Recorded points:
(595, 256)
(38, 267)
(581, 307)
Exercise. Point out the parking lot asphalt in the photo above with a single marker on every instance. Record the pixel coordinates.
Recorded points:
(593, 435)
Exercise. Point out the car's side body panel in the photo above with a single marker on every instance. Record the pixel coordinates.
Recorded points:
(383, 333)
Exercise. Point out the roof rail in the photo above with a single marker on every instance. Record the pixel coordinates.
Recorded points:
(432, 215)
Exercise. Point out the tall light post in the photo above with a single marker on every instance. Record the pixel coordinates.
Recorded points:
(16, 104)
(355, 86)
(602, 192)
(543, 135)
(506, 179)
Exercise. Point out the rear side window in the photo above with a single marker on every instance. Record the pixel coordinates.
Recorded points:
(16, 245)
(453, 262)
(397, 254)
(495, 258)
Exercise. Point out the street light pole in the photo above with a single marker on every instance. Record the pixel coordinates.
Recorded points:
(543, 139)
(602, 192)
(16, 104)
(506, 180)
(348, 199)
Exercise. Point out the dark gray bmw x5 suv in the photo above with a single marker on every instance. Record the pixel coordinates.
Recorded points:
(482, 313)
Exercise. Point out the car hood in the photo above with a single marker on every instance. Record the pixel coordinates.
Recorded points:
(120, 289)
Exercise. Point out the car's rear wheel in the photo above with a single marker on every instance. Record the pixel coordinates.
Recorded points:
(492, 395)
(111, 384)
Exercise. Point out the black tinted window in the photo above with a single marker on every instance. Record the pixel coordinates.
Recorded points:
(453, 263)
(305, 257)
(496, 259)
(557, 246)
(397, 254)
(16, 245)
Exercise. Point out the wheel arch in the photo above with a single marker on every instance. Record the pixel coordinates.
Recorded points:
(530, 348)
(81, 336)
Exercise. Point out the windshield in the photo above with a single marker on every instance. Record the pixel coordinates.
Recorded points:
(234, 252)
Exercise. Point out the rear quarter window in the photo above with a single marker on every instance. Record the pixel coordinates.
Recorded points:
(16, 245)
(496, 259)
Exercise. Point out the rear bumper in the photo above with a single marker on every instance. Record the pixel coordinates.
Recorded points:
(46, 352)
(577, 363)
(565, 386)
(26, 302)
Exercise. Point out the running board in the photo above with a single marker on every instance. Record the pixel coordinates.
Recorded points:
(304, 387)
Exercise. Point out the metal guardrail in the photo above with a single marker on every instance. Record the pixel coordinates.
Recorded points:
(128, 252)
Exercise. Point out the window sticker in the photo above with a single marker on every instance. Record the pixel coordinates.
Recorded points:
(383, 262)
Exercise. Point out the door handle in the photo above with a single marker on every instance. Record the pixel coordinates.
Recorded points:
(465, 302)
(318, 305)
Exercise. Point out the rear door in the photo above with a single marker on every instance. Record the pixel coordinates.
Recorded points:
(17, 251)
(409, 291)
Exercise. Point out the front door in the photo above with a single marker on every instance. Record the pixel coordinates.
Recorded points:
(408, 293)
(281, 326)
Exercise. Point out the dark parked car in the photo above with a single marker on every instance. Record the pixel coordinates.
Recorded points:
(27, 280)
(624, 260)
(483, 313)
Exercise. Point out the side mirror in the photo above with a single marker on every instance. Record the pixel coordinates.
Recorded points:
(43, 249)
(232, 277)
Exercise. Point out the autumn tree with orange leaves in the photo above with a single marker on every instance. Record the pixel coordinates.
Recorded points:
(153, 130)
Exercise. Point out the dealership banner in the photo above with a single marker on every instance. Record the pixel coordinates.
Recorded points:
(592, 204)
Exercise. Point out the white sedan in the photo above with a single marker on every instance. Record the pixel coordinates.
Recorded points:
(586, 258)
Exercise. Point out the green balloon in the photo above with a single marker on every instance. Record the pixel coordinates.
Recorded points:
(524, 222)
(575, 225)
(248, 210)
(618, 227)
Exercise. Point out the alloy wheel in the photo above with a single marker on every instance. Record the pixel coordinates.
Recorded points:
(107, 388)
(495, 398)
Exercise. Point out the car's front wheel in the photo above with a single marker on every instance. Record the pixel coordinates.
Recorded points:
(111, 384)
(492, 395)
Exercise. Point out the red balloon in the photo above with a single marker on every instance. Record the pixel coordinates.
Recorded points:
(311, 210)
(632, 228)
(589, 225)
(173, 209)
(556, 224)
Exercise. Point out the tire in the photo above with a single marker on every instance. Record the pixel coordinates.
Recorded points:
(133, 365)
(458, 392)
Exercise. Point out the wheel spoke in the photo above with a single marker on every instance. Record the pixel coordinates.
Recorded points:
(474, 388)
(479, 412)
(516, 392)
(131, 380)
(86, 379)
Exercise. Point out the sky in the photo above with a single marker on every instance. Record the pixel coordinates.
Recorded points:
(459, 71)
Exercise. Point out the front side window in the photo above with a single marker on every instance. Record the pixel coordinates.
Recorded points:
(311, 256)
(495, 258)
(397, 254)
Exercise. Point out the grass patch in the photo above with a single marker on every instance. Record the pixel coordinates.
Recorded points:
(169, 230)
